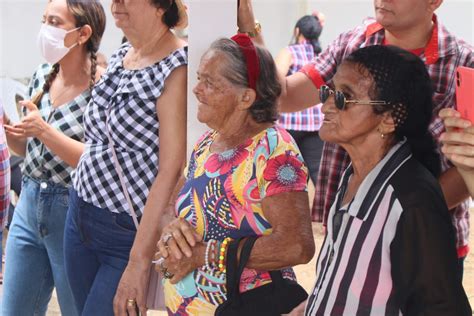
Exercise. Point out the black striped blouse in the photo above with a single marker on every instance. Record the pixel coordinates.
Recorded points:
(395, 251)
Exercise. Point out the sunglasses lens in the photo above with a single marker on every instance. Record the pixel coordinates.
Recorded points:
(340, 100)
(323, 93)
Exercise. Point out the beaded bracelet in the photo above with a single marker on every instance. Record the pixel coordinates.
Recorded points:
(213, 256)
(206, 255)
(222, 253)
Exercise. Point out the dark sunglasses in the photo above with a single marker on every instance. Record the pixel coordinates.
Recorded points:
(340, 99)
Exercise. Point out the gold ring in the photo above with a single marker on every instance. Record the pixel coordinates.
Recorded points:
(131, 303)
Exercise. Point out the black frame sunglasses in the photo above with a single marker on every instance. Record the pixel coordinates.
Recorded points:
(340, 99)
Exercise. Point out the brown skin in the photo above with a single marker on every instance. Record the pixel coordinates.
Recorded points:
(408, 24)
(151, 41)
(357, 128)
(73, 78)
(224, 108)
(458, 144)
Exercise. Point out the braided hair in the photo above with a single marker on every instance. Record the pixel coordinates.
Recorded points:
(401, 79)
(85, 12)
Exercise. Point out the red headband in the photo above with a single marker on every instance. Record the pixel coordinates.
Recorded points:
(251, 58)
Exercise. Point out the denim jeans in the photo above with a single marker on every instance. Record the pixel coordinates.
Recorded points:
(34, 252)
(97, 246)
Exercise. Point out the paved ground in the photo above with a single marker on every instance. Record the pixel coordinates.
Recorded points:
(306, 274)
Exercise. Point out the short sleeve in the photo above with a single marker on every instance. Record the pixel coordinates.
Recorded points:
(280, 166)
(323, 67)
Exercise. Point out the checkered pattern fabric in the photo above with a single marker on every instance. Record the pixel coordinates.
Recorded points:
(442, 55)
(40, 162)
(4, 174)
(134, 127)
(309, 119)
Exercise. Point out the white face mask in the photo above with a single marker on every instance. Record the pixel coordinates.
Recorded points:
(51, 43)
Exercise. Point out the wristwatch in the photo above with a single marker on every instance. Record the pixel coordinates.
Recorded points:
(257, 30)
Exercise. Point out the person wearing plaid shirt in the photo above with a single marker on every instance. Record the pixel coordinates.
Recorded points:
(4, 184)
(303, 125)
(409, 24)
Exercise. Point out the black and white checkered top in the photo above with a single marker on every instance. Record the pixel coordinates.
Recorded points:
(40, 162)
(133, 124)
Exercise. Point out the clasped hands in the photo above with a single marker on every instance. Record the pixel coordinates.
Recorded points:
(180, 250)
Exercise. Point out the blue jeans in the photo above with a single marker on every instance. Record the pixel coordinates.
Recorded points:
(35, 258)
(97, 246)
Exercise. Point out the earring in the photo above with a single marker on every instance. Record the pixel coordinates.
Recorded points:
(382, 135)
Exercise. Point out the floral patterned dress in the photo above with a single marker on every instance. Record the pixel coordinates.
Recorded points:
(222, 198)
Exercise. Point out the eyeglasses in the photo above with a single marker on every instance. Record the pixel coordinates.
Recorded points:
(340, 99)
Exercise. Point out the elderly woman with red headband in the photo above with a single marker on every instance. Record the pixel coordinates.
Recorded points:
(245, 177)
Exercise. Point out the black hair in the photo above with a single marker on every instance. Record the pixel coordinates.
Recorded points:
(311, 29)
(401, 79)
(171, 16)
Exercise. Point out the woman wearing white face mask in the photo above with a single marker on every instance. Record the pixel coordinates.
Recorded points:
(50, 137)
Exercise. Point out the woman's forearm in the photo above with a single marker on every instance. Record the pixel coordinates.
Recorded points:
(66, 148)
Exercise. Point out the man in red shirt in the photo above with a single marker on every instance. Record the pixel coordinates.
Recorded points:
(413, 26)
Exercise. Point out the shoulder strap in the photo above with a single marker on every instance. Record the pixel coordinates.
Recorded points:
(119, 169)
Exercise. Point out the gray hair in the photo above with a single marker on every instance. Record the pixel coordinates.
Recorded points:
(264, 108)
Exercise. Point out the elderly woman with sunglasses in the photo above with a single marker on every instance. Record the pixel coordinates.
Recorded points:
(390, 246)
(246, 177)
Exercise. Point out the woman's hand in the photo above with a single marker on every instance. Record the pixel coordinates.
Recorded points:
(177, 239)
(132, 286)
(32, 125)
(176, 269)
(458, 140)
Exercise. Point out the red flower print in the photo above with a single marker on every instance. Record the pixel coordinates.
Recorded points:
(224, 161)
(284, 172)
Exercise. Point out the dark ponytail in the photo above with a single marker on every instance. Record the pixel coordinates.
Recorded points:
(310, 27)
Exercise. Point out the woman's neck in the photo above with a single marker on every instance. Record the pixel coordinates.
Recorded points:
(236, 134)
(148, 45)
(365, 157)
(75, 68)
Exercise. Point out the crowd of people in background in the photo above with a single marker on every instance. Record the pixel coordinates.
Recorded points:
(107, 196)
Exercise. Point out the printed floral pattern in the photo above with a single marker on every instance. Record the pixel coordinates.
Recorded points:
(222, 198)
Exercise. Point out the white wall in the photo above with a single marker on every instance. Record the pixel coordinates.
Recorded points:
(20, 22)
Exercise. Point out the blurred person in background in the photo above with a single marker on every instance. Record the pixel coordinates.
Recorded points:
(303, 125)
(4, 186)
